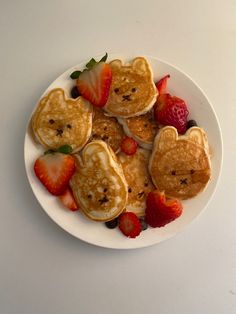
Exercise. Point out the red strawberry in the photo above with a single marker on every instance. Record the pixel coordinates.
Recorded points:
(171, 110)
(128, 145)
(162, 84)
(54, 171)
(68, 200)
(129, 224)
(160, 211)
(94, 84)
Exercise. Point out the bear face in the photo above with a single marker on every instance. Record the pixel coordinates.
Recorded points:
(180, 166)
(58, 121)
(132, 90)
(98, 184)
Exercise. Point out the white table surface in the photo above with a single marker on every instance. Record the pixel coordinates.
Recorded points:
(42, 268)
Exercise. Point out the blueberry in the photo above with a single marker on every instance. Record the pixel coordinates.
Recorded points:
(144, 225)
(191, 123)
(112, 224)
(74, 92)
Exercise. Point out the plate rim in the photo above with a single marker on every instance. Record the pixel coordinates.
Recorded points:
(142, 244)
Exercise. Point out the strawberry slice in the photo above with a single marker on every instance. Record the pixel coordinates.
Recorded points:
(94, 82)
(129, 224)
(55, 170)
(68, 200)
(161, 85)
(160, 211)
(128, 145)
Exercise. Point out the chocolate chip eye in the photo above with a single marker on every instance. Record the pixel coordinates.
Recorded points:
(51, 121)
(192, 171)
(68, 126)
(129, 190)
(133, 89)
(173, 173)
(116, 90)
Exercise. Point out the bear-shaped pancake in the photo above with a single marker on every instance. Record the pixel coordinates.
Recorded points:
(135, 169)
(180, 166)
(132, 90)
(58, 121)
(99, 185)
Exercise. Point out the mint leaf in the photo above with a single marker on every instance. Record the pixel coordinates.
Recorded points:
(75, 75)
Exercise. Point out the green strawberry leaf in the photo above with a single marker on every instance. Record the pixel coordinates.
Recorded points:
(65, 149)
(75, 75)
(91, 63)
(104, 58)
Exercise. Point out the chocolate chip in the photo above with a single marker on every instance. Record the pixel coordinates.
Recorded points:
(146, 184)
(89, 196)
(192, 171)
(129, 190)
(116, 90)
(184, 181)
(133, 89)
(145, 125)
(173, 173)
(126, 97)
(105, 128)
(140, 194)
(103, 200)
(69, 126)
(105, 190)
(51, 121)
(59, 132)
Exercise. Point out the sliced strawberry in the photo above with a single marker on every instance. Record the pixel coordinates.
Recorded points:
(160, 211)
(68, 200)
(129, 145)
(94, 84)
(161, 85)
(171, 110)
(54, 171)
(129, 224)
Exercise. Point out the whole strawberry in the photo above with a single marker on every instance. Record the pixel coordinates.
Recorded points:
(171, 110)
(160, 211)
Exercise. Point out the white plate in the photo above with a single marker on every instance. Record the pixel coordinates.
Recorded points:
(96, 233)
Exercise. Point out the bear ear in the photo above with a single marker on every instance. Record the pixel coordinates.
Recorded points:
(141, 66)
(198, 136)
(116, 64)
(166, 138)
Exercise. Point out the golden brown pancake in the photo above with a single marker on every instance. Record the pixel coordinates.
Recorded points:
(142, 128)
(107, 129)
(58, 121)
(180, 165)
(132, 91)
(99, 185)
(139, 182)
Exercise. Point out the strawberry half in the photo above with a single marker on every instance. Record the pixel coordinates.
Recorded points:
(160, 211)
(128, 145)
(68, 200)
(161, 85)
(55, 170)
(129, 224)
(94, 82)
(171, 110)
